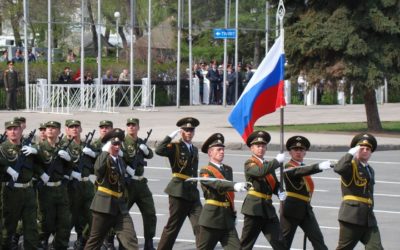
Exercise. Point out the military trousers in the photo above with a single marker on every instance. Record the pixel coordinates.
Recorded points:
(271, 229)
(139, 193)
(209, 238)
(310, 227)
(11, 99)
(350, 234)
(80, 194)
(54, 206)
(179, 209)
(20, 204)
(122, 224)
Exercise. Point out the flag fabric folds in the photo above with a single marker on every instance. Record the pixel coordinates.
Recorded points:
(263, 94)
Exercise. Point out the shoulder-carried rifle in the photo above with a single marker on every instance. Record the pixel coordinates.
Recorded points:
(139, 157)
(21, 157)
(55, 155)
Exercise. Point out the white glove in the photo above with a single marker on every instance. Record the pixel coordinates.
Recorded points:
(106, 147)
(76, 175)
(354, 150)
(144, 149)
(89, 152)
(174, 134)
(27, 150)
(14, 174)
(64, 154)
(45, 178)
(240, 186)
(282, 195)
(324, 165)
(130, 171)
(120, 153)
(92, 178)
(280, 157)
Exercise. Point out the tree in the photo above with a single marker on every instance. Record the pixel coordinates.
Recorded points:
(354, 40)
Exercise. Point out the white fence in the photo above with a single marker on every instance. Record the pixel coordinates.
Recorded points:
(67, 98)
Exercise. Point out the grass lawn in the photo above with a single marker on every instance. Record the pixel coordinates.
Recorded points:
(388, 128)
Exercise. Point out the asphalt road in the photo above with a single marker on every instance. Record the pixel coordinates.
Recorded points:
(326, 200)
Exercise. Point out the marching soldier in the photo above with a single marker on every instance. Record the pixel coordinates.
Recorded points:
(259, 213)
(134, 150)
(184, 198)
(217, 219)
(80, 188)
(109, 207)
(52, 192)
(42, 132)
(10, 78)
(18, 196)
(356, 216)
(297, 210)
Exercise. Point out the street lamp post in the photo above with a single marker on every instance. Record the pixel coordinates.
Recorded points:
(117, 15)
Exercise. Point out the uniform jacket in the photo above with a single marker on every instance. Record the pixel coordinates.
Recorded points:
(111, 177)
(10, 79)
(216, 216)
(255, 172)
(181, 162)
(80, 160)
(8, 158)
(358, 181)
(130, 147)
(295, 183)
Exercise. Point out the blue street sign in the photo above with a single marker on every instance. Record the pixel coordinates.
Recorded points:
(224, 33)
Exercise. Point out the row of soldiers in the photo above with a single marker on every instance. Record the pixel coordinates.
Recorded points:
(68, 196)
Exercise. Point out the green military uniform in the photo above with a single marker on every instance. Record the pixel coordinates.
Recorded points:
(297, 209)
(138, 190)
(53, 195)
(356, 216)
(18, 198)
(259, 213)
(109, 206)
(10, 78)
(184, 197)
(80, 191)
(217, 219)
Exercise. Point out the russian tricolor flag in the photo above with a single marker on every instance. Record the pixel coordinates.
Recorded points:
(263, 94)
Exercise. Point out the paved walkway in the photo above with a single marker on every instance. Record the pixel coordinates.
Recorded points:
(213, 119)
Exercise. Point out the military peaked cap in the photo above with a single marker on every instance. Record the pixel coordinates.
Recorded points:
(215, 140)
(20, 119)
(105, 123)
(71, 122)
(115, 135)
(42, 125)
(132, 121)
(188, 122)
(11, 124)
(364, 139)
(298, 141)
(258, 137)
(53, 124)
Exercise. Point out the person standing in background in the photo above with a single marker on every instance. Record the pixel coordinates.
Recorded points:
(10, 78)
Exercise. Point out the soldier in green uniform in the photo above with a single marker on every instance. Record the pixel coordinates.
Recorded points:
(52, 192)
(297, 210)
(356, 215)
(42, 133)
(80, 188)
(18, 196)
(218, 217)
(184, 197)
(259, 213)
(109, 206)
(10, 78)
(134, 150)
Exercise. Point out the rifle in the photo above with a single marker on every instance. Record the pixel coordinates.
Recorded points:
(88, 141)
(3, 137)
(21, 157)
(139, 157)
(55, 155)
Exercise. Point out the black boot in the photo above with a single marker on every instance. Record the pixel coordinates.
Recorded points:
(79, 244)
(108, 244)
(14, 241)
(148, 244)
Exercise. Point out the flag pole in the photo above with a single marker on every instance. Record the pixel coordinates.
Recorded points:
(280, 13)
